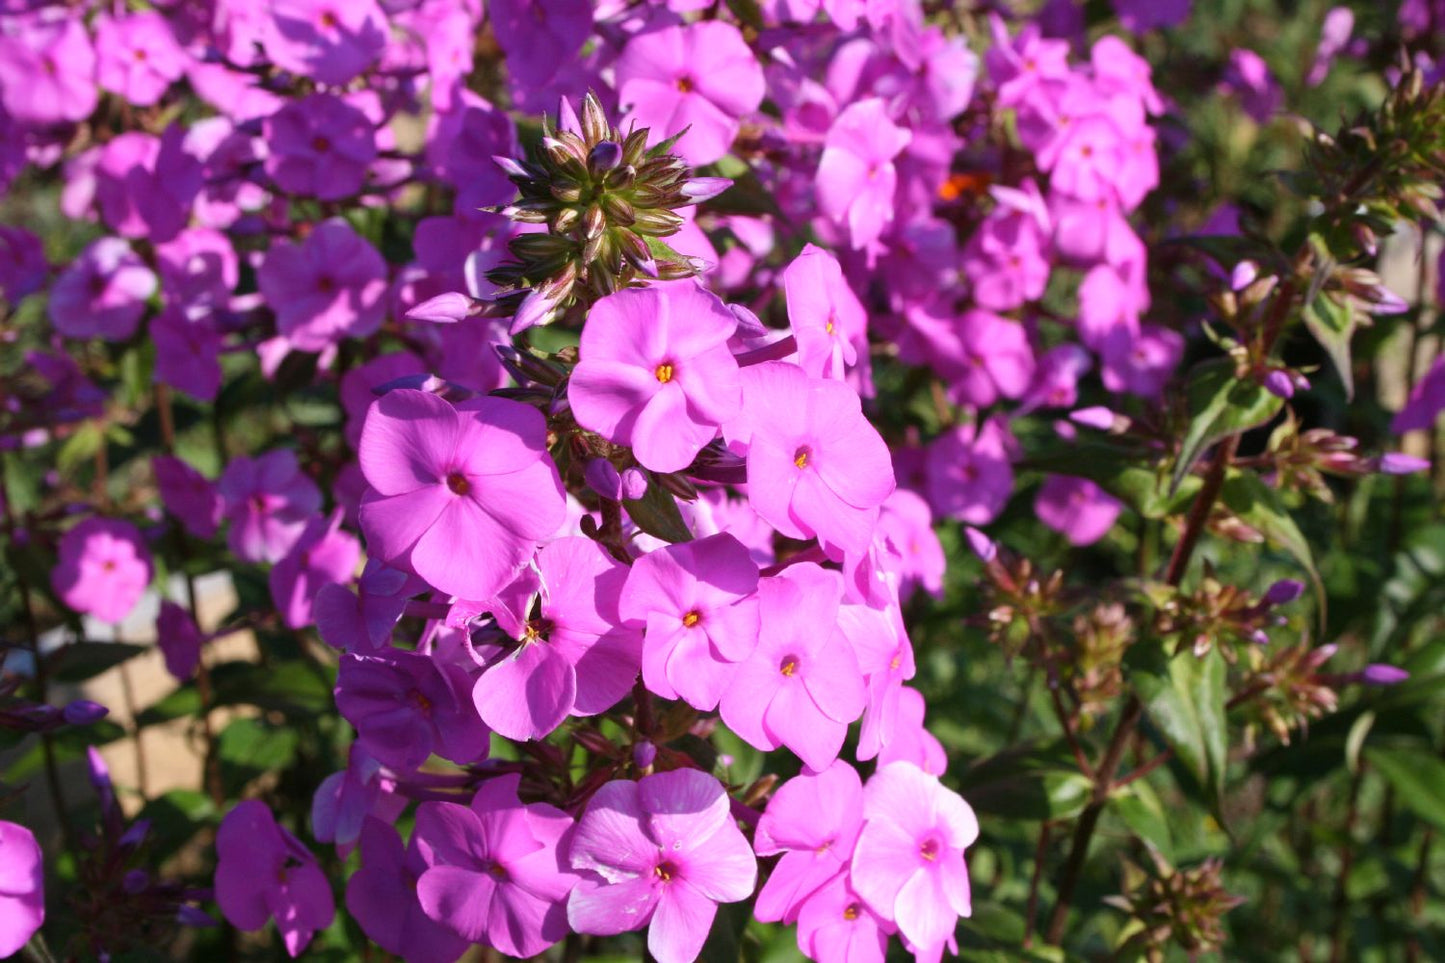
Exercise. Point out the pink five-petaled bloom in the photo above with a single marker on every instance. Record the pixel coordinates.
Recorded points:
(263, 871)
(103, 570)
(460, 496)
(406, 706)
(856, 176)
(330, 286)
(700, 76)
(47, 70)
(138, 56)
(577, 658)
(319, 146)
(330, 41)
(655, 372)
(801, 687)
(323, 555)
(827, 318)
(816, 466)
(814, 821)
(268, 501)
(22, 887)
(908, 865)
(698, 602)
(1077, 507)
(103, 293)
(382, 897)
(662, 851)
(970, 475)
(496, 875)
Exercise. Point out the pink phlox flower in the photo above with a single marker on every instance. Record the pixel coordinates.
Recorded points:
(405, 707)
(983, 356)
(23, 265)
(1077, 507)
(1249, 78)
(319, 146)
(1426, 401)
(801, 687)
(188, 352)
(1087, 232)
(145, 185)
(362, 621)
(1119, 70)
(199, 270)
(1056, 378)
(1335, 32)
(1137, 16)
(701, 76)
(461, 143)
(908, 741)
(835, 924)
(1020, 66)
(1108, 303)
(885, 657)
(815, 465)
(1007, 258)
(716, 511)
(1085, 155)
(655, 372)
(1140, 363)
(323, 555)
(359, 384)
(460, 496)
(539, 36)
(661, 852)
(496, 873)
(263, 871)
(22, 897)
(698, 603)
(47, 71)
(827, 318)
(330, 41)
(576, 658)
(179, 639)
(268, 500)
(138, 56)
(856, 174)
(343, 802)
(103, 569)
(382, 897)
(188, 495)
(970, 475)
(813, 820)
(330, 286)
(908, 865)
(102, 293)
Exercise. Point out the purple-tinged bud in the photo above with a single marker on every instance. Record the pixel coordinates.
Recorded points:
(1097, 417)
(1380, 674)
(981, 544)
(699, 189)
(511, 167)
(603, 479)
(567, 117)
(136, 834)
(100, 777)
(82, 712)
(429, 383)
(1283, 591)
(1398, 463)
(1384, 301)
(644, 754)
(634, 484)
(135, 881)
(1279, 383)
(1243, 275)
(534, 310)
(1259, 637)
(605, 156)
(446, 308)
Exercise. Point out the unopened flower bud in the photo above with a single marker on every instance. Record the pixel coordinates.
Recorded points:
(1380, 674)
(644, 754)
(603, 479)
(82, 712)
(446, 308)
(981, 544)
(604, 156)
(1283, 591)
(634, 484)
(1279, 383)
(1399, 463)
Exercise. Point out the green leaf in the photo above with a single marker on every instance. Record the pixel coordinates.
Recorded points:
(1139, 807)
(179, 704)
(79, 661)
(1259, 507)
(80, 447)
(1331, 318)
(1418, 778)
(1219, 405)
(748, 12)
(1029, 782)
(291, 687)
(1120, 470)
(1184, 697)
(657, 514)
(249, 748)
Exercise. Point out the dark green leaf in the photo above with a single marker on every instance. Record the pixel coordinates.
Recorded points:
(1120, 470)
(179, 704)
(1184, 697)
(656, 513)
(1418, 777)
(1219, 405)
(1259, 507)
(79, 661)
(1331, 318)
(1031, 782)
(293, 687)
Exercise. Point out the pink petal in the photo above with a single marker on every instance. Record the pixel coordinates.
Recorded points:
(528, 694)
(680, 925)
(604, 909)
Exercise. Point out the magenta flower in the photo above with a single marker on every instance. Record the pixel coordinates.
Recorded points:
(47, 71)
(330, 286)
(382, 897)
(697, 600)
(319, 146)
(263, 871)
(188, 353)
(577, 658)
(461, 144)
(913, 551)
(23, 267)
(137, 56)
(969, 472)
(103, 293)
(801, 687)
(405, 706)
(835, 924)
(856, 175)
(539, 36)
(103, 570)
(22, 894)
(268, 501)
(188, 495)
(459, 496)
(1077, 507)
(814, 821)
(323, 555)
(908, 865)
(1426, 401)
(198, 269)
(700, 76)
(908, 740)
(827, 318)
(330, 41)
(661, 852)
(816, 467)
(145, 185)
(495, 872)
(180, 640)
(656, 373)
